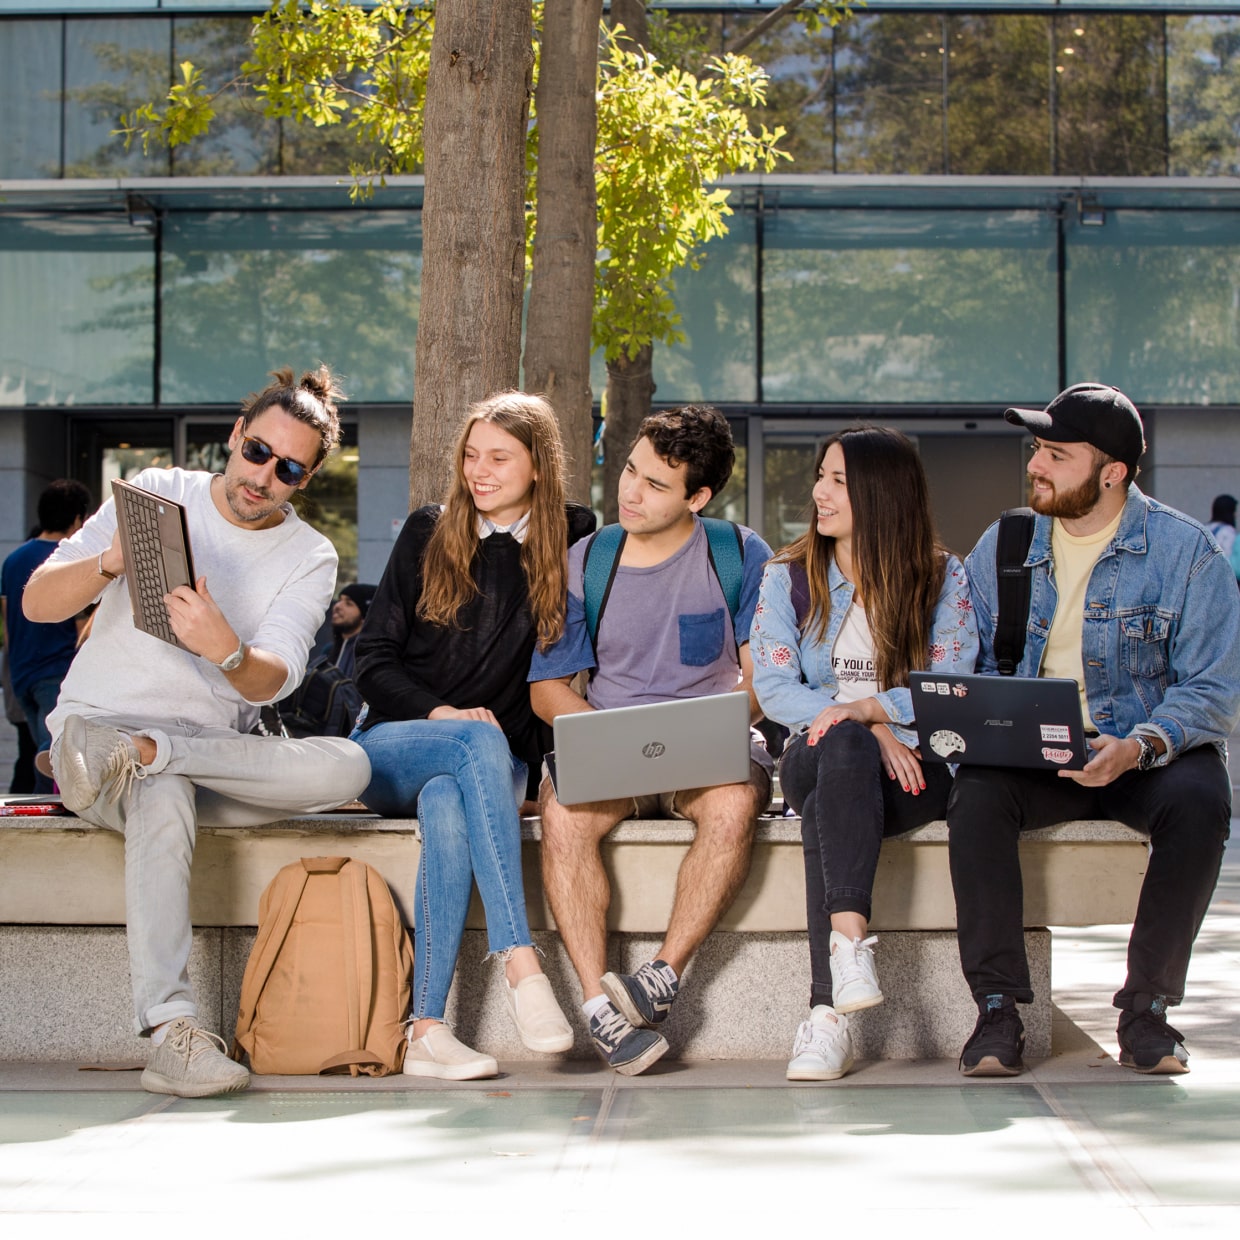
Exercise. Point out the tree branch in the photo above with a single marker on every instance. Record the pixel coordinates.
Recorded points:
(765, 24)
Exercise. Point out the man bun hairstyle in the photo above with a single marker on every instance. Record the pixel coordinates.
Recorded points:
(311, 399)
(697, 437)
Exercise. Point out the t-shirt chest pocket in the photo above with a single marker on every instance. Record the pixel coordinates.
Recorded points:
(701, 638)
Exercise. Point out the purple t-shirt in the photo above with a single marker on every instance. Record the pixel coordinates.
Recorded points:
(665, 634)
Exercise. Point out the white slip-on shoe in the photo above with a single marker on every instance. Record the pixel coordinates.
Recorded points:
(822, 1050)
(854, 980)
(537, 1016)
(437, 1053)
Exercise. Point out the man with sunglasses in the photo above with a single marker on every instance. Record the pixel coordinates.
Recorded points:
(153, 740)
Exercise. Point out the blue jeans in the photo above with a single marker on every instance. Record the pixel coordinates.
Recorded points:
(461, 781)
(37, 702)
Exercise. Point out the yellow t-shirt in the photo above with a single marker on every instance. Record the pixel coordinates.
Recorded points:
(1073, 560)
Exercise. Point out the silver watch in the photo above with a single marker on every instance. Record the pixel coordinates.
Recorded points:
(234, 660)
(1148, 755)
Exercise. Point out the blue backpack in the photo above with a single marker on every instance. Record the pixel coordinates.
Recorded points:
(725, 547)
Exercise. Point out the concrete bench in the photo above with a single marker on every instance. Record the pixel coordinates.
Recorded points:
(64, 964)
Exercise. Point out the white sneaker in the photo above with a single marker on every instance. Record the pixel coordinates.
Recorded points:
(823, 1048)
(537, 1016)
(438, 1053)
(854, 983)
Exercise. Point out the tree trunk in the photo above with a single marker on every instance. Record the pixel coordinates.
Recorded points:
(630, 384)
(473, 226)
(631, 14)
(630, 387)
(561, 309)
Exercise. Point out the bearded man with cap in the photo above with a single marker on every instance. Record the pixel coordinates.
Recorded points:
(347, 614)
(1134, 601)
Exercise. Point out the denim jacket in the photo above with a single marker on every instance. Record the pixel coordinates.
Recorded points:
(1161, 634)
(792, 674)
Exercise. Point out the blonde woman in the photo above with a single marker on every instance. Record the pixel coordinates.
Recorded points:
(864, 597)
(442, 661)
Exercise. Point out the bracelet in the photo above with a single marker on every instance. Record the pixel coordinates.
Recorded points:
(103, 572)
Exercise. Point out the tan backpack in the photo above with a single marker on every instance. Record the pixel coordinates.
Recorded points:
(326, 988)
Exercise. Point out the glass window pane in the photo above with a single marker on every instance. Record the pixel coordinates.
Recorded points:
(1111, 95)
(801, 93)
(246, 291)
(894, 306)
(82, 329)
(30, 99)
(889, 83)
(1152, 300)
(1203, 77)
(717, 304)
(241, 140)
(998, 113)
(112, 67)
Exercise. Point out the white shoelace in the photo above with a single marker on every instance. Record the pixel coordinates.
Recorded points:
(858, 965)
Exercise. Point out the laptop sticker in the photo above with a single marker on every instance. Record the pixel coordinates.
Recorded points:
(945, 742)
(1054, 732)
(1057, 755)
(959, 690)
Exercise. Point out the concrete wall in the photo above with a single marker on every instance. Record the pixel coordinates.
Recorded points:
(382, 487)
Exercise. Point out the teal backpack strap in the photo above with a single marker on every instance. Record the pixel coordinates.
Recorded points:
(726, 547)
(598, 572)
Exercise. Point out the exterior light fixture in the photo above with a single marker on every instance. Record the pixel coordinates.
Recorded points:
(1090, 213)
(141, 213)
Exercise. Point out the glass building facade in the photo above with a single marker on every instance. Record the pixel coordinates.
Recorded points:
(986, 203)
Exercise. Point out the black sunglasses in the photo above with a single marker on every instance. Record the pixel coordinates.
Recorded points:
(292, 473)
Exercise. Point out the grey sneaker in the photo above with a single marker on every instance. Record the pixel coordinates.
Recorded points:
(191, 1063)
(92, 757)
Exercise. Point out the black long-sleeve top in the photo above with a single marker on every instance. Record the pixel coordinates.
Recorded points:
(406, 667)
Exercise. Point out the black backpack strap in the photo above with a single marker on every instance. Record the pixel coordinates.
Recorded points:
(799, 580)
(1015, 587)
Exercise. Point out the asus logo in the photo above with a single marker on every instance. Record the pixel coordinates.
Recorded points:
(998, 723)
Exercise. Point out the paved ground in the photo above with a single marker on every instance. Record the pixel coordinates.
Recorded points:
(1076, 1144)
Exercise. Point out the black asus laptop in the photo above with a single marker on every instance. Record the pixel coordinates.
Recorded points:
(999, 721)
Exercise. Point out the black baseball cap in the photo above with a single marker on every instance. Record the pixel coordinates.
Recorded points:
(1090, 413)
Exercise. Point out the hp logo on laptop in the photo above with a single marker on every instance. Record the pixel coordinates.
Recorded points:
(654, 749)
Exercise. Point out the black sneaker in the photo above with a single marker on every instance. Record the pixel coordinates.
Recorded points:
(997, 1042)
(645, 997)
(1148, 1044)
(622, 1047)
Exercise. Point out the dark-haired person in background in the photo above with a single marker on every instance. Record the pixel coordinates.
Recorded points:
(153, 740)
(40, 654)
(667, 635)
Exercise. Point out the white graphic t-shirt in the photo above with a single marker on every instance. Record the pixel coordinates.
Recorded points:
(852, 658)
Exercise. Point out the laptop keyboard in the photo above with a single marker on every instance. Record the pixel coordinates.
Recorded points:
(151, 577)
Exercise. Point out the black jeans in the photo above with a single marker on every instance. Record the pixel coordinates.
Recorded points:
(1184, 808)
(848, 805)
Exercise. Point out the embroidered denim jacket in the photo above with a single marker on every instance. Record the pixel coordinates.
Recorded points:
(792, 674)
(1161, 634)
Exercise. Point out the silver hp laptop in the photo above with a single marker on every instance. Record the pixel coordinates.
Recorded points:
(155, 544)
(602, 755)
(999, 721)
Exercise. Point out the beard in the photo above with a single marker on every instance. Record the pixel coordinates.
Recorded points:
(240, 505)
(1070, 505)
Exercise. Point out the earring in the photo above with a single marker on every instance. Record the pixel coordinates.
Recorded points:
(1107, 485)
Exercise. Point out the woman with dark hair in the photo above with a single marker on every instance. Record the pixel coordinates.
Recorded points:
(442, 661)
(864, 597)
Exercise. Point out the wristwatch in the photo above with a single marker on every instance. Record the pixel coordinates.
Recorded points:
(1148, 755)
(234, 660)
